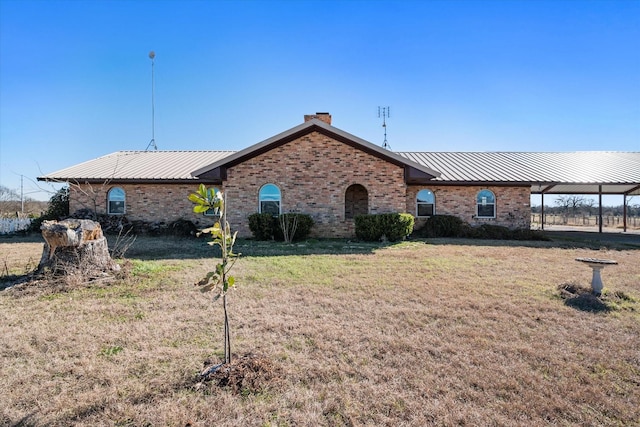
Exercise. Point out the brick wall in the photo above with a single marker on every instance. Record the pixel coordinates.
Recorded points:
(145, 202)
(313, 174)
(512, 204)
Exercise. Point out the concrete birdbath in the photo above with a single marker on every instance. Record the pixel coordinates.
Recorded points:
(596, 265)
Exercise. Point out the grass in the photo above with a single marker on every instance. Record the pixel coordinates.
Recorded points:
(436, 332)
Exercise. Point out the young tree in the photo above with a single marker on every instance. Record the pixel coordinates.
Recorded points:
(218, 280)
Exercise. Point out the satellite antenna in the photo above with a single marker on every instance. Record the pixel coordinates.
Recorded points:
(152, 143)
(384, 112)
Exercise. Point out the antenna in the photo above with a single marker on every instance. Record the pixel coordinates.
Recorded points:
(152, 143)
(384, 112)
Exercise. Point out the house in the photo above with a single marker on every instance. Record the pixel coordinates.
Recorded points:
(320, 170)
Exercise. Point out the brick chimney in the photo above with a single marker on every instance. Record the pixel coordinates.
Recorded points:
(325, 117)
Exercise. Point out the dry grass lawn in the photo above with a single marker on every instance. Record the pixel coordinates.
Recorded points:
(436, 332)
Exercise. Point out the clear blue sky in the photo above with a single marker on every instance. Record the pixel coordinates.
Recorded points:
(508, 75)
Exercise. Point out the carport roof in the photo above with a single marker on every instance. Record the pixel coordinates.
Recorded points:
(582, 172)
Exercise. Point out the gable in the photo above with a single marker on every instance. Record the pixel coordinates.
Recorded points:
(217, 171)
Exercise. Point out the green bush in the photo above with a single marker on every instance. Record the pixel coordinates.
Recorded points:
(368, 228)
(394, 226)
(265, 226)
(442, 226)
(262, 226)
(303, 224)
(58, 209)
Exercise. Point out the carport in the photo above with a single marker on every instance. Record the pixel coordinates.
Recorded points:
(588, 173)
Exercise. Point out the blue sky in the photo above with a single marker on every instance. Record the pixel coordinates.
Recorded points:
(509, 75)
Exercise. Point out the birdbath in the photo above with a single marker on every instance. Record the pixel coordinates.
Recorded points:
(596, 265)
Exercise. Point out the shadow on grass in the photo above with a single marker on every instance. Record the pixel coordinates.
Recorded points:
(581, 298)
(561, 240)
(158, 248)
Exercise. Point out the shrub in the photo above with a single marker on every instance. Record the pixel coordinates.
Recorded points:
(265, 226)
(299, 224)
(442, 226)
(262, 226)
(368, 228)
(394, 226)
(58, 209)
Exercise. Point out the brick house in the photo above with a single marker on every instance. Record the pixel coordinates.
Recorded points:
(316, 169)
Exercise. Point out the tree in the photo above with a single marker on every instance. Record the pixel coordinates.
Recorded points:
(58, 209)
(218, 280)
(570, 204)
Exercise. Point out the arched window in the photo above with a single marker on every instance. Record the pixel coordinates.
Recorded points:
(116, 201)
(212, 212)
(486, 204)
(356, 201)
(425, 203)
(270, 199)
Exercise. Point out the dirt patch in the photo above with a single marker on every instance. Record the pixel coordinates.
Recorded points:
(248, 374)
(582, 298)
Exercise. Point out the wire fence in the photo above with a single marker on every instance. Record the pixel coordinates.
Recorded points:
(616, 221)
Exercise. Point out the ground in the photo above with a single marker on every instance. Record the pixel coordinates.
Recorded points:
(425, 332)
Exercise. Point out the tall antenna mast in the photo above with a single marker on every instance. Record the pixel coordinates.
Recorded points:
(152, 143)
(384, 112)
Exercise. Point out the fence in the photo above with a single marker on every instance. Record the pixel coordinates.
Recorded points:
(13, 225)
(585, 220)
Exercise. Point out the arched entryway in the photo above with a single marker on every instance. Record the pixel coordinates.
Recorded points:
(356, 201)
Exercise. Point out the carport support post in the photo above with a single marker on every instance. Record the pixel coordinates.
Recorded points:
(624, 213)
(600, 208)
(542, 212)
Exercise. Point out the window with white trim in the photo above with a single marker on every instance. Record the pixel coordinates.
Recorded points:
(270, 199)
(116, 199)
(425, 203)
(486, 204)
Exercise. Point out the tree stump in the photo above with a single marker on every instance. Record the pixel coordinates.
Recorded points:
(75, 247)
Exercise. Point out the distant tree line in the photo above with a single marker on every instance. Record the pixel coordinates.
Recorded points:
(11, 205)
(573, 205)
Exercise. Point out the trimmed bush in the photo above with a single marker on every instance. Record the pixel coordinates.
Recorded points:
(262, 226)
(265, 226)
(443, 226)
(394, 226)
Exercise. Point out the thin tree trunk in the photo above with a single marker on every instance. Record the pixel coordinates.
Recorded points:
(227, 335)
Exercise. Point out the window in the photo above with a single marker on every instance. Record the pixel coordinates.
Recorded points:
(212, 212)
(426, 203)
(486, 202)
(356, 201)
(116, 201)
(270, 199)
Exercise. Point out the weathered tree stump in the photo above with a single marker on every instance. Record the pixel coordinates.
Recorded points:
(75, 247)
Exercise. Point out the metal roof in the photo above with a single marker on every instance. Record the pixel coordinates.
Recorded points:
(139, 166)
(581, 172)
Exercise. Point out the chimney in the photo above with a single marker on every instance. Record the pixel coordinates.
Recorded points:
(325, 117)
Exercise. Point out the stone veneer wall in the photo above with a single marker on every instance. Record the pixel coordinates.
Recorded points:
(163, 202)
(313, 173)
(513, 208)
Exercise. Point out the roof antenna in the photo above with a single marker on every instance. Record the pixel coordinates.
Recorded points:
(384, 112)
(152, 143)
